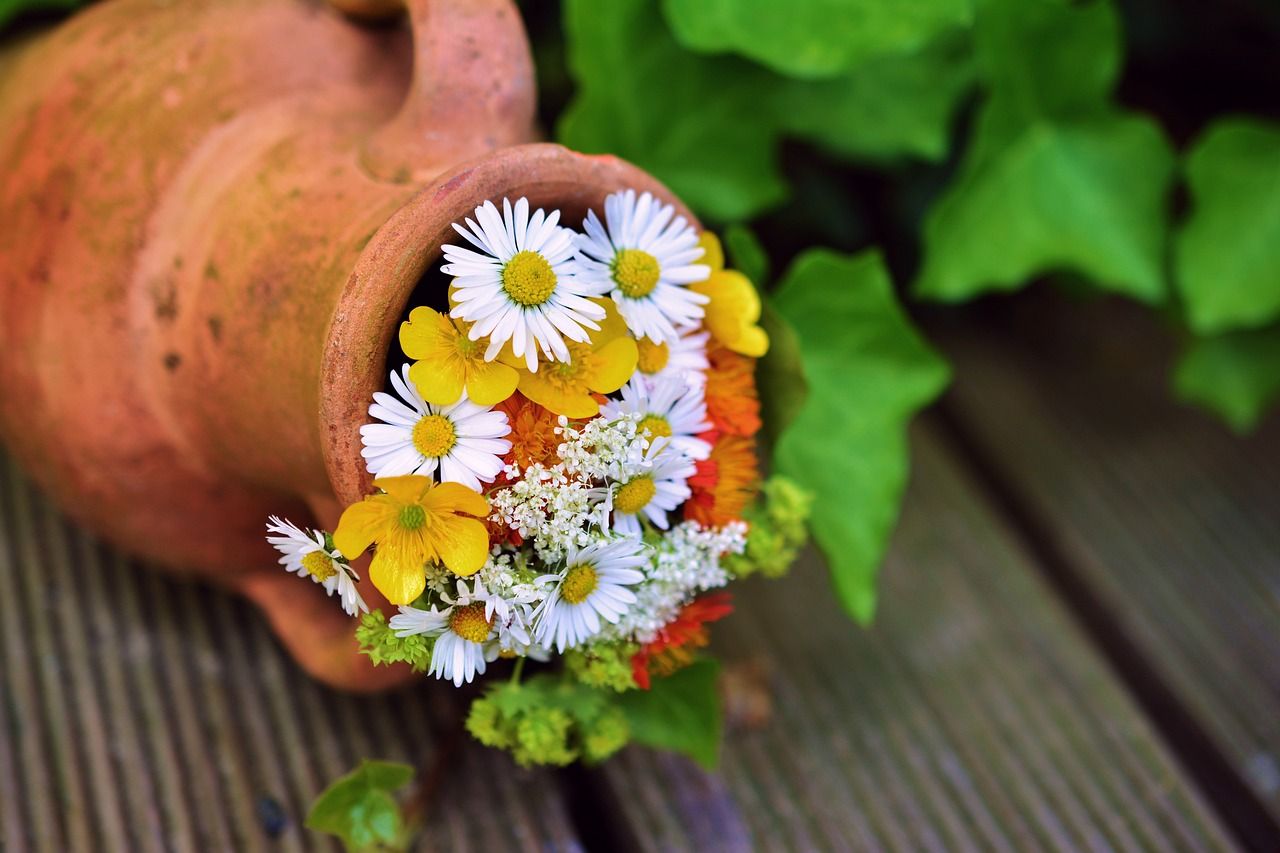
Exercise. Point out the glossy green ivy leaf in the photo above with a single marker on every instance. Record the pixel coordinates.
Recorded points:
(1055, 177)
(1087, 196)
(1235, 375)
(359, 808)
(889, 107)
(869, 372)
(695, 122)
(680, 712)
(812, 38)
(1227, 255)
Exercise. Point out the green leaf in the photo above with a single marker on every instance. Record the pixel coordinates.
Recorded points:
(812, 38)
(703, 136)
(12, 8)
(888, 107)
(780, 375)
(680, 712)
(869, 371)
(1227, 255)
(1087, 196)
(1236, 375)
(359, 808)
(746, 254)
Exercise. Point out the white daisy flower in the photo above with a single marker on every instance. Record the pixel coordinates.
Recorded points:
(668, 408)
(521, 286)
(464, 634)
(655, 489)
(684, 357)
(645, 259)
(305, 554)
(460, 443)
(592, 587)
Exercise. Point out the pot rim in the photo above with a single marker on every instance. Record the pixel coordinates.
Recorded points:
(375, 297)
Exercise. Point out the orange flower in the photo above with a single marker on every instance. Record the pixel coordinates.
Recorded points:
(727, 485)
(675, 644)
(732, 403)
(533, 432)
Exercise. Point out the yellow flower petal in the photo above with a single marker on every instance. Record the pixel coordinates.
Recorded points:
(362, 523)
(455, 497)
(490, 383)
(572, 403)
(397, 575)
(753, 341)
(712, 254)
(615, 363)
(408, 489)
(463, 545)
(612, 326)
(438, 381)
(425, 334)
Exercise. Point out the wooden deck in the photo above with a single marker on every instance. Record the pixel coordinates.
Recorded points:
(1078, 647)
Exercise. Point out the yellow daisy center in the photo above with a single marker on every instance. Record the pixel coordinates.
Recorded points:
(412, 517)
(319, 565)
(635, 494)
(580, 581)
(434, 436)
(653, 357)
(656, 426)
(528, 278)
(636, 272)
(469, 623)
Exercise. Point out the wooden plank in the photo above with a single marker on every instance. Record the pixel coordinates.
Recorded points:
(140, 713)
(973, 716)
(1167, 522)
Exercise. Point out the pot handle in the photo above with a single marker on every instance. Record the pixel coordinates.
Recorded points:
(472, 86)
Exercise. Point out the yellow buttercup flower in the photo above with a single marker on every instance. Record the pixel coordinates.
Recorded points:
(446, 361)
(602, 366)
(415, 522)
(734, 310)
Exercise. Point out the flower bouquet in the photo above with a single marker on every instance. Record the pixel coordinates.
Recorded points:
(565, 471)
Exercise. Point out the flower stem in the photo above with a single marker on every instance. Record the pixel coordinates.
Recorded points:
(517, 670)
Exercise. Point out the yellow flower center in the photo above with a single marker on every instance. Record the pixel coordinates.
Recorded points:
(580, 581)
(319, 565)
(434, 436)
(567, 376)
(653, 357)
(412, 517)
(656, 426)
(528, 278)
(636, 272)
(465, 347)
(635, 494)
(468, 622)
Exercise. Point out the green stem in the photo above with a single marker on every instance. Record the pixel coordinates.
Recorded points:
(517, 670)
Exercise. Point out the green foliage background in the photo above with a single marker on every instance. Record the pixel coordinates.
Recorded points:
(881, 153)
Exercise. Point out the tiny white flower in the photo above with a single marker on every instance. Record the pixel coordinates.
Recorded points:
(668, 408)
(684, 357)
(643, 255)
(521, 286)
(464, 634)
(459, 443)
(653, 490)
(592, 587)
(305, 555)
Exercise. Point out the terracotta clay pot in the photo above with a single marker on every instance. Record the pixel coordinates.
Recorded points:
(214, 214)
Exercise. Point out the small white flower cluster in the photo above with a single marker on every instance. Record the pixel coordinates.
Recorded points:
(685, 561)
(604, 448)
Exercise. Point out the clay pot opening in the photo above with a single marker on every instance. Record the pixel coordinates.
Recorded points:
(399, 269)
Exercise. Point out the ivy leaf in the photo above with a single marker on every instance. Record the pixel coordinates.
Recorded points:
(679, 712)
(1227, 255)
(1236, 375)
(869, 371)
(703, 137)
(1055, 176)
(812, 38)
(1087, 196)
(889, 107)
(359, 808)
(779, 375)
